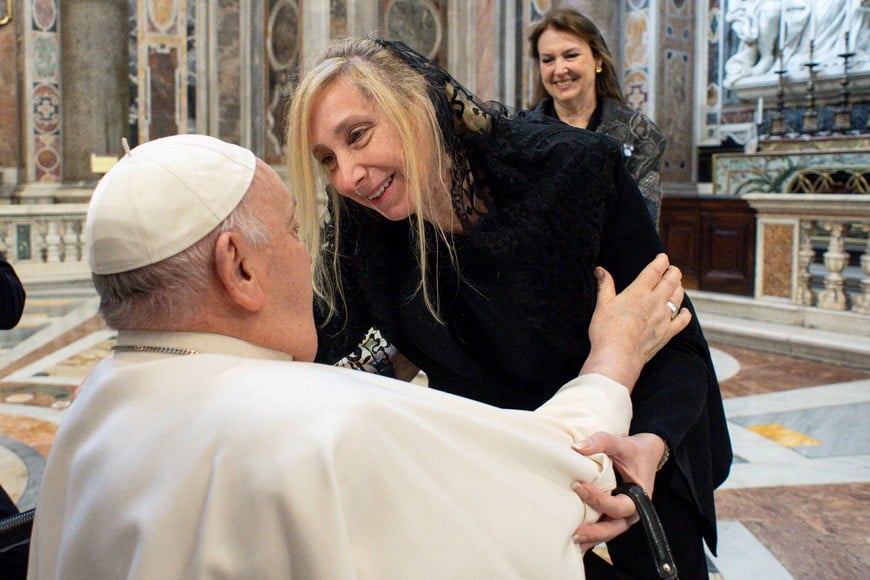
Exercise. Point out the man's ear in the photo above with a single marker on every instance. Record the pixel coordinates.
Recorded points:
(236, 269)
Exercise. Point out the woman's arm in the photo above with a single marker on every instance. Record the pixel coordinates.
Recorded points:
(670, 394)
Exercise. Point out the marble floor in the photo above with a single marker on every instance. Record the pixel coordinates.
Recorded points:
(795, 506)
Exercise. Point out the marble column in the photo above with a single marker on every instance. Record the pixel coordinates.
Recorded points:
(315, 32)
(10, 128)
(96, 90)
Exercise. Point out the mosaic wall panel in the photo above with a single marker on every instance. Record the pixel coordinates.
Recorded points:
(676, 90)
(635, 54)
(44, 161)
(735, 174)
(672, 117)
(229, 72)
(419, 24)
(282, 55)
(165, 79)
(778, 251)
(712, 104)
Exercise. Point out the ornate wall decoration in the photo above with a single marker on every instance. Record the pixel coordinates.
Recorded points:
(163, 78)
(337, 18)
(10, 111)
(712, 102)
(163, 16)
(675, 90)
(44, 161)
(419, 24)
(635, 51)
(282, 53)
(781, 172)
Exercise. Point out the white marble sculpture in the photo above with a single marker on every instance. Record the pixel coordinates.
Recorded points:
(778, 32)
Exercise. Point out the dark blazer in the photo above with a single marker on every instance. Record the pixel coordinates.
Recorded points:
(643, 144)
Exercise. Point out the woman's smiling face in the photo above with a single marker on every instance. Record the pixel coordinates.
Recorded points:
(567, 66)
(360, 150)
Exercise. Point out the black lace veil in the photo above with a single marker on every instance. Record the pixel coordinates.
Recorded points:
(462, 117)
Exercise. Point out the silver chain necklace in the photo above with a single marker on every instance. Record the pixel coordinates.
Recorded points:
(157, 349)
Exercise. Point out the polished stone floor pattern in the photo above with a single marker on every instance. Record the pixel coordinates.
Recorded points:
(795, 504)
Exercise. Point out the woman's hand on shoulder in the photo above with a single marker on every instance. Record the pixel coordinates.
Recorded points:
(629, 328)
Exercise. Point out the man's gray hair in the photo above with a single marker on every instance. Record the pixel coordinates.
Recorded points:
(171, 290)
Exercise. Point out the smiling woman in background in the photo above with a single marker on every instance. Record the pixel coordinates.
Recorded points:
(577, 84)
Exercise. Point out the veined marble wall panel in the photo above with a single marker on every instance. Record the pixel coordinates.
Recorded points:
(712, 103)
(94, 75)
(487, 41)
(229, 74)
(283, 43)
(42, 101)
(676, 90)
(337, 18)
(9, 111)
(635, 53)
(162, 56)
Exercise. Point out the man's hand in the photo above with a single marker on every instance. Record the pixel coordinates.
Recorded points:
(636, 458)
(629, 328)
(618, 513)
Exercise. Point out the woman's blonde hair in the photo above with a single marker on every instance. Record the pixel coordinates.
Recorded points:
(402, 95)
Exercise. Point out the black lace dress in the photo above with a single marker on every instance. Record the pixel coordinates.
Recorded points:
(559, 201)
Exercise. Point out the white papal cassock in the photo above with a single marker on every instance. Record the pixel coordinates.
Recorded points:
(237, 464)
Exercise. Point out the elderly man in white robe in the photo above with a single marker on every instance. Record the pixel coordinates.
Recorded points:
(207, 446)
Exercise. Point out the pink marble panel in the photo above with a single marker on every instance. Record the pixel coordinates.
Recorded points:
(163, 63)
(635, 87)
(48, 158)
(9, 121)
(486, 42)
(42, 118)
(230, 73)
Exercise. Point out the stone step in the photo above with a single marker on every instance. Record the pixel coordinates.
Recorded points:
(841, 338)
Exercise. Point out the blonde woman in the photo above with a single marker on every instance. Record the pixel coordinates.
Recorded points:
(471, 241)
